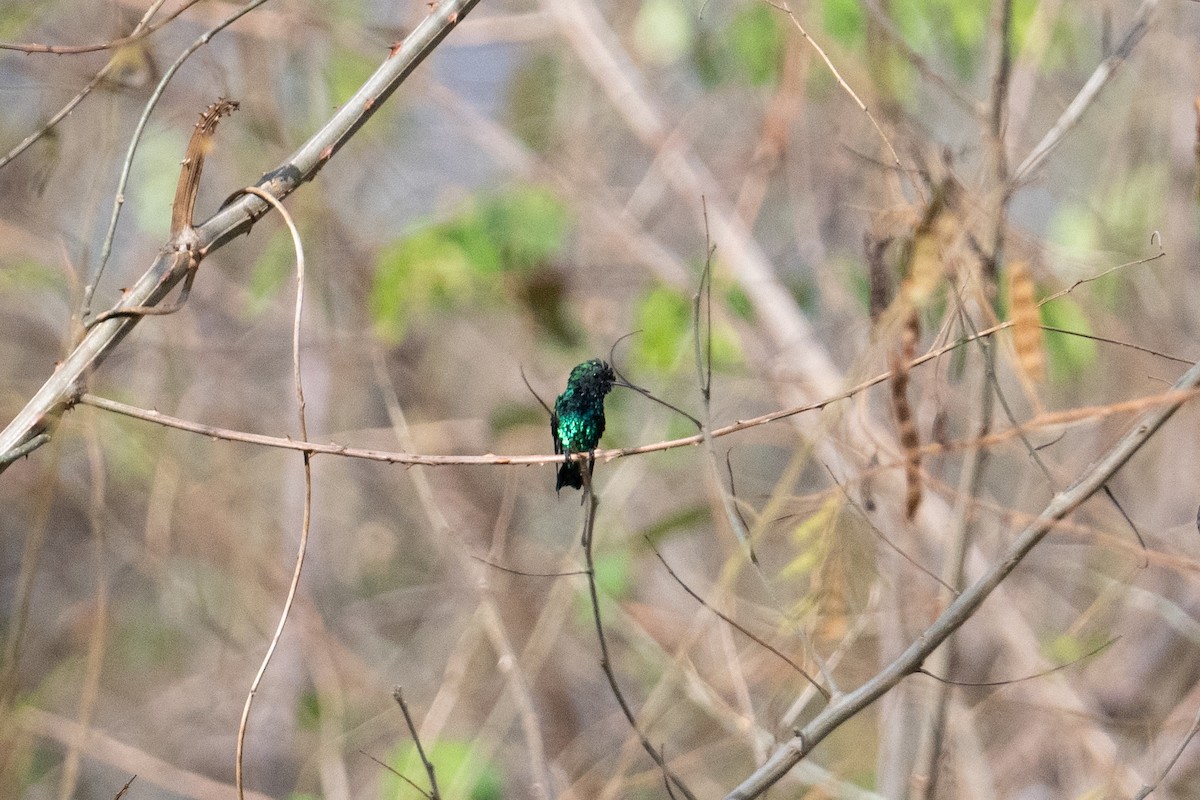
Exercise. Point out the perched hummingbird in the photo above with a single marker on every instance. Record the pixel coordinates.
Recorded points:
(577, 422)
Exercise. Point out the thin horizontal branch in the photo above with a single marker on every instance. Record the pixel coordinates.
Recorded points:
(392, 457)
(61, 390)
(62, 113)
(140, 32)
(1055, 419)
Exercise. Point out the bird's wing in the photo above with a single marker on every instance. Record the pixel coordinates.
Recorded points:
(558, 448)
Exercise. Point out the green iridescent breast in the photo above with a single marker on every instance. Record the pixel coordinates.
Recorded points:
(579, 410)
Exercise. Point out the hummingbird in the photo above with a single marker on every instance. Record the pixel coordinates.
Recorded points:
(577, 422)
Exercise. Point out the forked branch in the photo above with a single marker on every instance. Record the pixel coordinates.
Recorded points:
(172, 265)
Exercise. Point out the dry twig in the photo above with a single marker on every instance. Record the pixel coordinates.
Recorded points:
(61, 390)
(1089, 482)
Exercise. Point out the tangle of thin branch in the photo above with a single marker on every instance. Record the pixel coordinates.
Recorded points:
(963, 608)
(62, 388)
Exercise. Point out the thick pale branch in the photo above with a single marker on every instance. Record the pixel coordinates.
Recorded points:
(845, 707)
(61, 390)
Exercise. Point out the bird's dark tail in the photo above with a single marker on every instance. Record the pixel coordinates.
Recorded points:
(569, 474)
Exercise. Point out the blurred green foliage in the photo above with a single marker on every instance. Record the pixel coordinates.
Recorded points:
(739, 303)
(677, 522)
(956, 30)
(308, 710)
(845, 21)
(614, 582)
(270, 272)
(1132, 206)
(28, 275)
(748, 48)
(153, 180)
(465, 258)
(144, 642)
(1068, 648)
(16, 19)
(1068, 356)
(449, 759)
(613, 574)
(664, 319)
(757, 40)
(663, 31)
(507, 416)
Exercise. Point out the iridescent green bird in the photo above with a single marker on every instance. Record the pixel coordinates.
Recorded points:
(577, 422)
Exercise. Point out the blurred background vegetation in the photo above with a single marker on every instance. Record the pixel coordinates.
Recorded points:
(523, 202)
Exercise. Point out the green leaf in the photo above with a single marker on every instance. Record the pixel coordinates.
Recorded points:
(308, 711)
(29, 275)
(613, 576)
(680, 520)
(739, 303)
(152, 187)
(461, 259)
(662, 31)
(664, 317)
(427, 268)
(710, 59)
(146, 644)
(507, 416)
(529, 225)
(1067, 649)
(482, 250)
(958, 27)
(1133, 206)
(845, 21)
(1069, 356)
(532, 95)
(449, 759)
(17, 18)
(1065, 41)
(270, 272)
(1073, 230)
(757, 41)
(347, 71)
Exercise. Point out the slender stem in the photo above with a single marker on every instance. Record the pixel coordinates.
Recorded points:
(589, 521)
(62, 113)
(306, 521)
(398, 694)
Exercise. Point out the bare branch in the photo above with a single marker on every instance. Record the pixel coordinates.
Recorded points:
(1148, 788)
(1088, 94)
(589, 521)
(60, 391)
(737, 625)
(140, 31)
(967, 603)
(398, 695)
